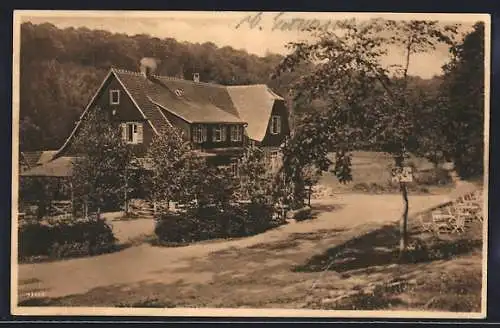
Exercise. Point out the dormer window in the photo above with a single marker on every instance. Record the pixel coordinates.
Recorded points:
(114, 97)
(275, 124)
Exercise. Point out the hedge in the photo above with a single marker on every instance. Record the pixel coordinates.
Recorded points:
(65, 238)
(211, 223)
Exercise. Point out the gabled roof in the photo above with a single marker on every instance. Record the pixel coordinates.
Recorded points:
(255, 104)
(201, 93)
(194, 112)
(192, 101)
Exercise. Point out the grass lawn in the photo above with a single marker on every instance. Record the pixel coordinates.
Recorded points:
(371, 173)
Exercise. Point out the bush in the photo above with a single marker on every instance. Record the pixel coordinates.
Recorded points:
(65, 238)
(211, 222)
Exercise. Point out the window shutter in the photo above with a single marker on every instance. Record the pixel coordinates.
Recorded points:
(278, 124)
(203, 133)
(139, 133)
(123, 127)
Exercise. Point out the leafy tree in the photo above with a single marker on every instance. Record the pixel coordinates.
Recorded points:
(101, 164)
(462, 104)
(179, 174)
(165, 157)
(369, 104)
(255, 178)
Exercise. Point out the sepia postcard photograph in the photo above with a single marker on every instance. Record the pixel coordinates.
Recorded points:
(250, 164)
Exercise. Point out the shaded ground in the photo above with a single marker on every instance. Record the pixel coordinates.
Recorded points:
(282, 268)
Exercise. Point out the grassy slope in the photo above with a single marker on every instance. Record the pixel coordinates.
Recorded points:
(370, 168)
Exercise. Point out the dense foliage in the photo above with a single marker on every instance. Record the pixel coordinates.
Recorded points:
(462, 104)
(102, 164)
(65, 238)
(210, 222)
(215, 203)
(170, 160)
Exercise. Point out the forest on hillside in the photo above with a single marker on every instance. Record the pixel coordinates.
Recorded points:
(60, 70)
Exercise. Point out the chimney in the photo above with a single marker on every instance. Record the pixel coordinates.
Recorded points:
(196, 77)
(148, 66)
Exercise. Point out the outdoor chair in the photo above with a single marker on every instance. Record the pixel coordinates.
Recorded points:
(457, 222)
(442, 220)
(425, 223)
(471, 206)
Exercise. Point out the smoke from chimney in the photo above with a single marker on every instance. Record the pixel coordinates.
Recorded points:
(148, 66)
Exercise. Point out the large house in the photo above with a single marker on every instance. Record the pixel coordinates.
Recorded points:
(218, 120)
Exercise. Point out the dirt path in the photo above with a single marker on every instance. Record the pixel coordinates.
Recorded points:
(145, 263)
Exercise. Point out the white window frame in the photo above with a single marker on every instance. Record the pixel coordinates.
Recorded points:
(114, 92)
(199, 133)
(235, 169)
(277, 119)
(236, 133)
(133, 137)
(219, 129)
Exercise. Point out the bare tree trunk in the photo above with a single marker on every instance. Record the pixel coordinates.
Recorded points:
(403, 225)
(126, 195)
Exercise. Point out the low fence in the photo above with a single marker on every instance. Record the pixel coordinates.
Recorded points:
(34, 210)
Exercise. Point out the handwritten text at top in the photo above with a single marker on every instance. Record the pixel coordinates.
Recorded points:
(282, 22)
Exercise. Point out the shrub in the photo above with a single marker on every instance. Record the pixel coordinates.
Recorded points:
(35, 239)
(210, 222)
(65, 238)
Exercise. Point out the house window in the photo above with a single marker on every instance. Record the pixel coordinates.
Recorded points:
(236, 133)
(199, 134)
(114, 97)
(219, 133)
(234, 169)
(272, 159)
(275, 124)
(132, 133)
